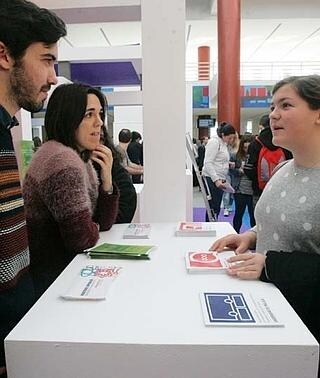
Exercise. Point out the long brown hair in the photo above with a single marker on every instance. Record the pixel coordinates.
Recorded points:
(241, 153)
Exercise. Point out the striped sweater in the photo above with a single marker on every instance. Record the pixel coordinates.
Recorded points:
(64, 206)
(14, 253)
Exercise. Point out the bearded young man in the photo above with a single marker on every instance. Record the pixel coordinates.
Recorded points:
(28, 51)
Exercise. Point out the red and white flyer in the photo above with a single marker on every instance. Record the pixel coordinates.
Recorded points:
(208, 261)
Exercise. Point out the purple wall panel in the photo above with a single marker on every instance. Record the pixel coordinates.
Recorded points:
(105, 74)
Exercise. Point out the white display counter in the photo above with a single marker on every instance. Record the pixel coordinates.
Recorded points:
(151, 324)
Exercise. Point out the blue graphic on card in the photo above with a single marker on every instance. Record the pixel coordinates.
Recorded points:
(228, 307)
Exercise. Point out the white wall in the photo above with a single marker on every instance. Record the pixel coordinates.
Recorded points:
(164, 114)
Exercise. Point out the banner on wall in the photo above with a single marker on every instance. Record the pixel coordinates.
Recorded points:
(254, 96)
(200, 97)
(26, 154)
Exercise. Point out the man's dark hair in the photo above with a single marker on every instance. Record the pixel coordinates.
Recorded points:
(265, 121)
(135, 136)
(23, 23)
(125, 136)
(66, 109)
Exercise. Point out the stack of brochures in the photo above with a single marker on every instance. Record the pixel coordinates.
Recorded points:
(120, 251)
(137, 231)
(208, 261)
(92, 282)
(196, 229)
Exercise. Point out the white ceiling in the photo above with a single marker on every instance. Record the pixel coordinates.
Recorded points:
(286, 32)
(271, 31)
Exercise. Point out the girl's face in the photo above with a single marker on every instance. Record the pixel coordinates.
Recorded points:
(245, 147)
(292, 122)
(88, 132)
(229, 139)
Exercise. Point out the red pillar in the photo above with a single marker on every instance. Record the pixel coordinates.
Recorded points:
(228, 16)
(203, 74)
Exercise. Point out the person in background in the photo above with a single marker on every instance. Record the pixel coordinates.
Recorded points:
(65, 204)
(243, 196)
(201, 152)
(196, 156)
(287, 235)
(195, 148)
(125, 137)
(36, 143)
(251, 167)
(120, 176)
(216, 165)
(135, 154)
(28, 51)
(227, 198)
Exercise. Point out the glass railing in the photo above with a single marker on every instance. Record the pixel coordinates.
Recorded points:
(258, 71)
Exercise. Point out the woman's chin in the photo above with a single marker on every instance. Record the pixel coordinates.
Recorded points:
(278, 141)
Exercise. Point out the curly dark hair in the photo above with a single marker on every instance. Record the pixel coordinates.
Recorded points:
(23, 23)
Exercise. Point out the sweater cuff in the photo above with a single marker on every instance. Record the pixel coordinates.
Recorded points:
(115, 191)
(264, 274)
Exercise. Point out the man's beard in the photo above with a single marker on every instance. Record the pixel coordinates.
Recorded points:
(23, 92)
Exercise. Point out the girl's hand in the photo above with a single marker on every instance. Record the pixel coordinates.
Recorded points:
(102, 155)
(247, 266)
(239, 243)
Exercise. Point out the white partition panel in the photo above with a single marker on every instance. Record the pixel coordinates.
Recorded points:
(164, 115)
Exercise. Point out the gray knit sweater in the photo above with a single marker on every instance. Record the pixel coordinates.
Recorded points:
(288, 212)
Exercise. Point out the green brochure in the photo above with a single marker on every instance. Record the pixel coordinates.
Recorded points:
(120, 251)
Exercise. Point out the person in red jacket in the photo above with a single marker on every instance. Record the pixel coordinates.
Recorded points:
(251, 166)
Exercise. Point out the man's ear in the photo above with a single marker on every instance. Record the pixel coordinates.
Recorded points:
(5, 59)
(317, 121)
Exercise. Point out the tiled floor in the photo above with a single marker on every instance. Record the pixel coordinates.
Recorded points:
(199, 211)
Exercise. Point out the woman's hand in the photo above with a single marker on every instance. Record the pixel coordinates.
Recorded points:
(240, 243)
(220, 184)
(247, 266)
(102, 155)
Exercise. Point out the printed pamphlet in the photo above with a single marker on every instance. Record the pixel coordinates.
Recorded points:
(196, 229)
(137, 231)
(120, 251)
(228, 188)
(92, 282)
(208, 261)
(238, 309)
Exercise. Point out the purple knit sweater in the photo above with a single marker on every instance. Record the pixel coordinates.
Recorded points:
(64, 206)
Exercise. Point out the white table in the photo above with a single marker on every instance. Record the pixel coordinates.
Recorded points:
(151, 325)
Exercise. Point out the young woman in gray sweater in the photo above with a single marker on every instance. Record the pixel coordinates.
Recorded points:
(287, 234)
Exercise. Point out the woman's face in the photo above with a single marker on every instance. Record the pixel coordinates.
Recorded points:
(229, 139)
(246, 146)
(88, 132)
(292, 122)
